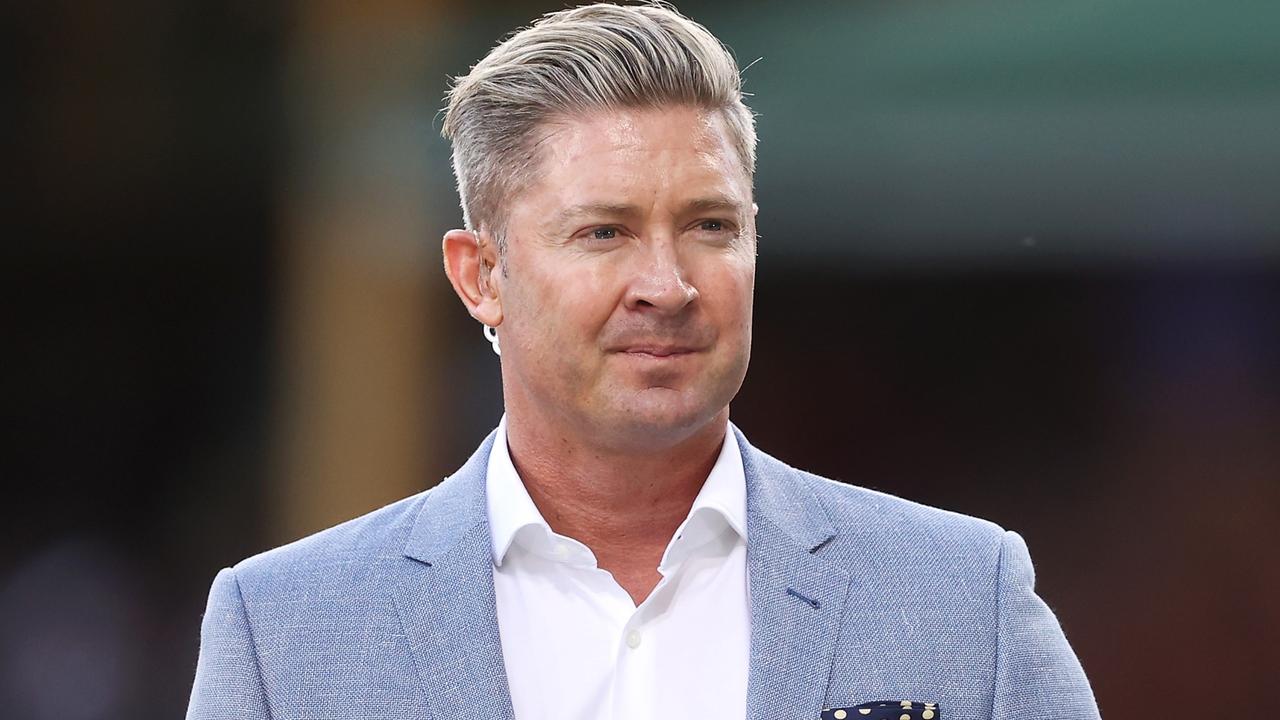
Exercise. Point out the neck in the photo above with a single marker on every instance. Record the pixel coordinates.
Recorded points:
(624, 504)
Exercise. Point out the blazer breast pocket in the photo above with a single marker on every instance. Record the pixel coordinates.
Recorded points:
(885, 710)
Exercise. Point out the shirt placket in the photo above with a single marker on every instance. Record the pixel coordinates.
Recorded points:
(640, 648)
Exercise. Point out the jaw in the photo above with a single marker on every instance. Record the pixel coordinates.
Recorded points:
(657, 415)
(655, 421)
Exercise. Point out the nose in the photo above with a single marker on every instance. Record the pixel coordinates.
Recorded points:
(661, 282)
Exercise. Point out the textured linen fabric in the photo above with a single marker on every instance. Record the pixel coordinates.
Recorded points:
(855, 595)
(575, 645)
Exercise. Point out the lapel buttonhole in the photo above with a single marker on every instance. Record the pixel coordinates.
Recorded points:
(807, 600)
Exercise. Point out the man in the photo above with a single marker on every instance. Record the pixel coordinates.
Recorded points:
(617, 549)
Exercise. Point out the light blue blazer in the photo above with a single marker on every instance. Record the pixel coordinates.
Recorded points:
(856, 596)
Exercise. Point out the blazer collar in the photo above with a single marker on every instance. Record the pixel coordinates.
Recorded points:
(452, 509)
(797, 596)
(457, 505)
(774, 495)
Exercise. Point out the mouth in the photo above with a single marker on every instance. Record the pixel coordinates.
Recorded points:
(657, 352)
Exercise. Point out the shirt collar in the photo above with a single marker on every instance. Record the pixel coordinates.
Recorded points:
(510, 507)
(721, 501)
(719, 508)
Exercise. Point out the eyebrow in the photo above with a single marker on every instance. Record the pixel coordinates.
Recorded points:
(714, 203)
(718, 203)
(585, 210)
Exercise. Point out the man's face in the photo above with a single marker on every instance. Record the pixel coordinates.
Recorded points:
(627, 283)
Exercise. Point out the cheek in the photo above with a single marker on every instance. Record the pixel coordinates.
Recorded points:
(585, 299)
(562, 311)
(729, 294)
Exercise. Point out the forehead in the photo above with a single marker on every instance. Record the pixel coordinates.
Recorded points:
(638, 154)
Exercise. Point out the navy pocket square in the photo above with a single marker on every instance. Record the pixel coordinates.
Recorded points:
(886, 710)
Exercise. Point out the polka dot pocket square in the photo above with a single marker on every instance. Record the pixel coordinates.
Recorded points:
(886, 710)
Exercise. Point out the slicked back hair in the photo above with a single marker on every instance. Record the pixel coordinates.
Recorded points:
(590, 58)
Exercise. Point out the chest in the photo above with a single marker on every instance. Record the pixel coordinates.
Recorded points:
(576, 645)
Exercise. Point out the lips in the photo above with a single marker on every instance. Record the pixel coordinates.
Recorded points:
(658, 351)
(656, 344)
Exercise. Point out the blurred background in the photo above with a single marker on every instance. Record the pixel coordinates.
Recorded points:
(1019, 258)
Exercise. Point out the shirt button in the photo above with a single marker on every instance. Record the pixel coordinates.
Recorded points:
(633, 639)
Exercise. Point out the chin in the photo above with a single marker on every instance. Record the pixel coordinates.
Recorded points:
(660, 417)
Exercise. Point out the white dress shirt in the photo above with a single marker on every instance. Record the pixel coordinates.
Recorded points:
(577, 647)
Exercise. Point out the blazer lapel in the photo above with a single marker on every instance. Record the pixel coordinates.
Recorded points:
(445, 595)
(446, 602)
(797, 597)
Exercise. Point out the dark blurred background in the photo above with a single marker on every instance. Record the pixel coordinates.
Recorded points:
(1019, 258)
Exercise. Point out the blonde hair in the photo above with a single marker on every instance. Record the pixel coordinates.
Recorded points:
(595, 57)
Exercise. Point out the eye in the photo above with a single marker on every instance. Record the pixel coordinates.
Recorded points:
(719, 229)
(604, 233)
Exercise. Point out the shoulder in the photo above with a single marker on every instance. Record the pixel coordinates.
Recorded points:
(867, 523)
(353, 559)
(334, 560)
